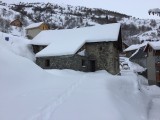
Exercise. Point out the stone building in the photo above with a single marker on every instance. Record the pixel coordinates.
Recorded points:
(35, 28)
(83, 49)
(153, 62)
(16, 23)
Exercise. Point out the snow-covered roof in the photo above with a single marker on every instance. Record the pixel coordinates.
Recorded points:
(34, 25)
(139, 53)
(69, 41)
(155, 45)
(135, 46)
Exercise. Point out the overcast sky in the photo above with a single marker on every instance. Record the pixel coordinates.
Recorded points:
(135, 8)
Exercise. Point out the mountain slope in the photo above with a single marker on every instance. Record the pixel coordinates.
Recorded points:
(67, 17)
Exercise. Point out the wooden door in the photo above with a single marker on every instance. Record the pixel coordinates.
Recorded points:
(92, 65)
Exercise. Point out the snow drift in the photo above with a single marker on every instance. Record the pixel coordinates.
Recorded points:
(17, 45)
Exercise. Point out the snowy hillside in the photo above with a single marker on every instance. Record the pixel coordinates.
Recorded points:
(151, 35)
(139, 30)
(67, 16)
(8, 15)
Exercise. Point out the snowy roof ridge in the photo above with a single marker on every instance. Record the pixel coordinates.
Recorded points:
(135, 46)
(34, 25)
(93, 33)
(139, 53)
(53, 50)
(134, 53)
(155, 45)
(69, 41)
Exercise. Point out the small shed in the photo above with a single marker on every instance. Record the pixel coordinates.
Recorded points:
(17, 23)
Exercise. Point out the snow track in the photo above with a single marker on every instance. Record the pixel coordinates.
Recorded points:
(47, 112)
(154, 109)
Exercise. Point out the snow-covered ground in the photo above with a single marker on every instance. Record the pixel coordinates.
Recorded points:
(154, 106)
(153, 92)
(134, 67)
(28, 92)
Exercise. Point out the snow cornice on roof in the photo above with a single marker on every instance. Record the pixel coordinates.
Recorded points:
(155, 45)
(135, 47)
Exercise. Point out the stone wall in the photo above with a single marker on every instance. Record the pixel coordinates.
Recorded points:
(63, 62)
(105, 55)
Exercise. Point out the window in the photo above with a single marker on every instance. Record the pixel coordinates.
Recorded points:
(47, 63)
(83, 63)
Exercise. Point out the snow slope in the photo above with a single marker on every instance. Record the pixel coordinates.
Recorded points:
(25, 88)
(29, 93)
(17, 45)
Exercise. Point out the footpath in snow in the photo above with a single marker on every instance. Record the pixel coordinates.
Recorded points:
(152, 92)
(97, 96)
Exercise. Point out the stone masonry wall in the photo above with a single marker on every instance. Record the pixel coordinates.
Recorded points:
(63, 62)
(105, 54)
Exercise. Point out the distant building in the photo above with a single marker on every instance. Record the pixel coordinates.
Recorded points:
(35, 28)
(133, 48)
(139, 57)
(84, 49)
(153, 62)
(16, 23)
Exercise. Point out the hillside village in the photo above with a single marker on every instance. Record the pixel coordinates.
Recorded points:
(76, 63)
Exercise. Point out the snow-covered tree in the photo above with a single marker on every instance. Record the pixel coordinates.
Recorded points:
(154, 11)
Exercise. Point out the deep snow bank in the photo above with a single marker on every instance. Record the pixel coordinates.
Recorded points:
(17, 45)
(29, 93)
(25, 88)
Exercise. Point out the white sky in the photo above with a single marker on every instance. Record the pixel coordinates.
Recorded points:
(135, 8)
